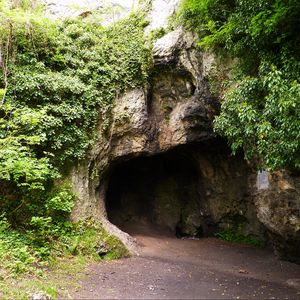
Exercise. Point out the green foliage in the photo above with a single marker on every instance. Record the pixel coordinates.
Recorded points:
(14, 251)
(156, 34)
(56, 78)
(19, 163)
(70, 70)
(28, 251)
(261, 107)
(236, 231)
(266, 122)
(63, 201)
(231, 235)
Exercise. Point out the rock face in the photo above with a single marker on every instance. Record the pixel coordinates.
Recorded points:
(193, 190)
(278, 208)
(161, 12)
(160, 161)
(108, 11)
(177, 109)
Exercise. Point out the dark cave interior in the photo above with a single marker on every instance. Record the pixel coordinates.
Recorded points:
(194, 190)
(164, 190)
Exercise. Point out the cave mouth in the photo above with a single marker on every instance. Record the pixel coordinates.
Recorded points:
(162, 191)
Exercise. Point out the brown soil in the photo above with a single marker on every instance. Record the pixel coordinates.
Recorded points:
(171, 268)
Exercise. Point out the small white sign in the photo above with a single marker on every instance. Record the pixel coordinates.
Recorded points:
(262, 181)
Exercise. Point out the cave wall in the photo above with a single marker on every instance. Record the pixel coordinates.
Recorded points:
(177, 110)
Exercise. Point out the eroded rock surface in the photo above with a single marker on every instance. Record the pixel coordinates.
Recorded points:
(278, 208)
(176, 114)
(108, 11)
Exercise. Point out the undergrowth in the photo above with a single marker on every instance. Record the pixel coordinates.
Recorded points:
(58, 78)
(232, 235)
(29, 255)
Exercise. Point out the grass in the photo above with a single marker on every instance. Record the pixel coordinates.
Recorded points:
(23, 272)
(57, 280)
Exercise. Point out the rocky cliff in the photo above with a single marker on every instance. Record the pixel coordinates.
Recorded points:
(160, 161)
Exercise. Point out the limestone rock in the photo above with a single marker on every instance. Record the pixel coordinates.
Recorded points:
(160, 13)
(175, 113)
(176, 110)
(39, 296)
(110, 11)
(165, 48)
(278, 208)
(129, 126)
(129, 242)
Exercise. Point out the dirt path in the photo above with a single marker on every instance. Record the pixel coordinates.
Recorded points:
(169, 268)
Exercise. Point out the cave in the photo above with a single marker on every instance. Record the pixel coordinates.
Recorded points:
(177, 191)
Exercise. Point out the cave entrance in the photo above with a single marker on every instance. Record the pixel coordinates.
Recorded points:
(163, 191)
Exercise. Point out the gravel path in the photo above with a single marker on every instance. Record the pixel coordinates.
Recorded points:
(170, 268)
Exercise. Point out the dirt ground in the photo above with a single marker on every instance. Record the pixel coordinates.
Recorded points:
(171, 268)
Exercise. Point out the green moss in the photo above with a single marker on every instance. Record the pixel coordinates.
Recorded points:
(96, 243)
(116, 248)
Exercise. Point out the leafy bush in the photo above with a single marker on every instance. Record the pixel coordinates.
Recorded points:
(29, 251)
(262, 116)
(56, 78)
(14, 251)
(63, 74)
(261, 107)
